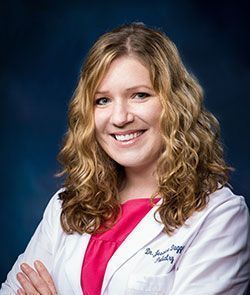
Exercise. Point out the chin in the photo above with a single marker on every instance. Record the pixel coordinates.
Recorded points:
(133, 163)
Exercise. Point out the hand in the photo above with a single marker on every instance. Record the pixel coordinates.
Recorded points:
(35, 281)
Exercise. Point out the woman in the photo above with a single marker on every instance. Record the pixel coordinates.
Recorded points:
(145, 208)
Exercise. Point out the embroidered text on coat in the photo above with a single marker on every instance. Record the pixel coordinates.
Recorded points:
(164, 255)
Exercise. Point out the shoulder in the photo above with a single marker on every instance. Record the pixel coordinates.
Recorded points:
(53, 209)
(225, 201)
(55, 204)
(223, 225)
(225, 194)
(217, 247)
(223, 211)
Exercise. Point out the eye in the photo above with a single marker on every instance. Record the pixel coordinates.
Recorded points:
(141, 95)
(102, 101)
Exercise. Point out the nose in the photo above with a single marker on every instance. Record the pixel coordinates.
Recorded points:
(121, 114)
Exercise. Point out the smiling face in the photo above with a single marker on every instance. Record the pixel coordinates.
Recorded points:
(127, 113)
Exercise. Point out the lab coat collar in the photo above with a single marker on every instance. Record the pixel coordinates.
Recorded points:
(76, 245)
(147, 229)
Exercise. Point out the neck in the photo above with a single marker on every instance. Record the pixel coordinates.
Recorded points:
(140, 183)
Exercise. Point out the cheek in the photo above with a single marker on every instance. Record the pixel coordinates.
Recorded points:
(99, 122)
(157, 115)
(152, 116)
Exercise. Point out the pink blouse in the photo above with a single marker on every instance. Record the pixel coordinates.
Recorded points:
(102, 246)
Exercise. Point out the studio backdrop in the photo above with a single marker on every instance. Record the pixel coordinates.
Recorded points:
(44, 44)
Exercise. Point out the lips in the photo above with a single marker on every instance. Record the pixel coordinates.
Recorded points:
(128, 135)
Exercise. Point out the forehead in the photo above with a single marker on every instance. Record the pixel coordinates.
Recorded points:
(126, 71)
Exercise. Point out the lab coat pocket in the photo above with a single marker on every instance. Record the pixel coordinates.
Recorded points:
(151, 285)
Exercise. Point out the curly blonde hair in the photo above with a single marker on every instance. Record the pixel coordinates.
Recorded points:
(191, 165)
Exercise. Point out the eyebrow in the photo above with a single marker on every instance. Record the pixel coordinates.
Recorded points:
(127, 90)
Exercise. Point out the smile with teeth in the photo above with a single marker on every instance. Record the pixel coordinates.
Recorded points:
(127, 137)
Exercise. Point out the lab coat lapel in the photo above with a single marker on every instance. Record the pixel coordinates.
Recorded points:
(76, 246)
(147, 229)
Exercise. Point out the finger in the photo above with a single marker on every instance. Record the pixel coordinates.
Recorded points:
(45, 275)
(38, 283)
(26, 284)
(20, 292)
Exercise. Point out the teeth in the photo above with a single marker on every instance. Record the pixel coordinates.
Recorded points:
(127, 136)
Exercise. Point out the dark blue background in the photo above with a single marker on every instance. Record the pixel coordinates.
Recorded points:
(43, 47)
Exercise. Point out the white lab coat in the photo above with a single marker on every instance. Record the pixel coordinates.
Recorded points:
(208, 255)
